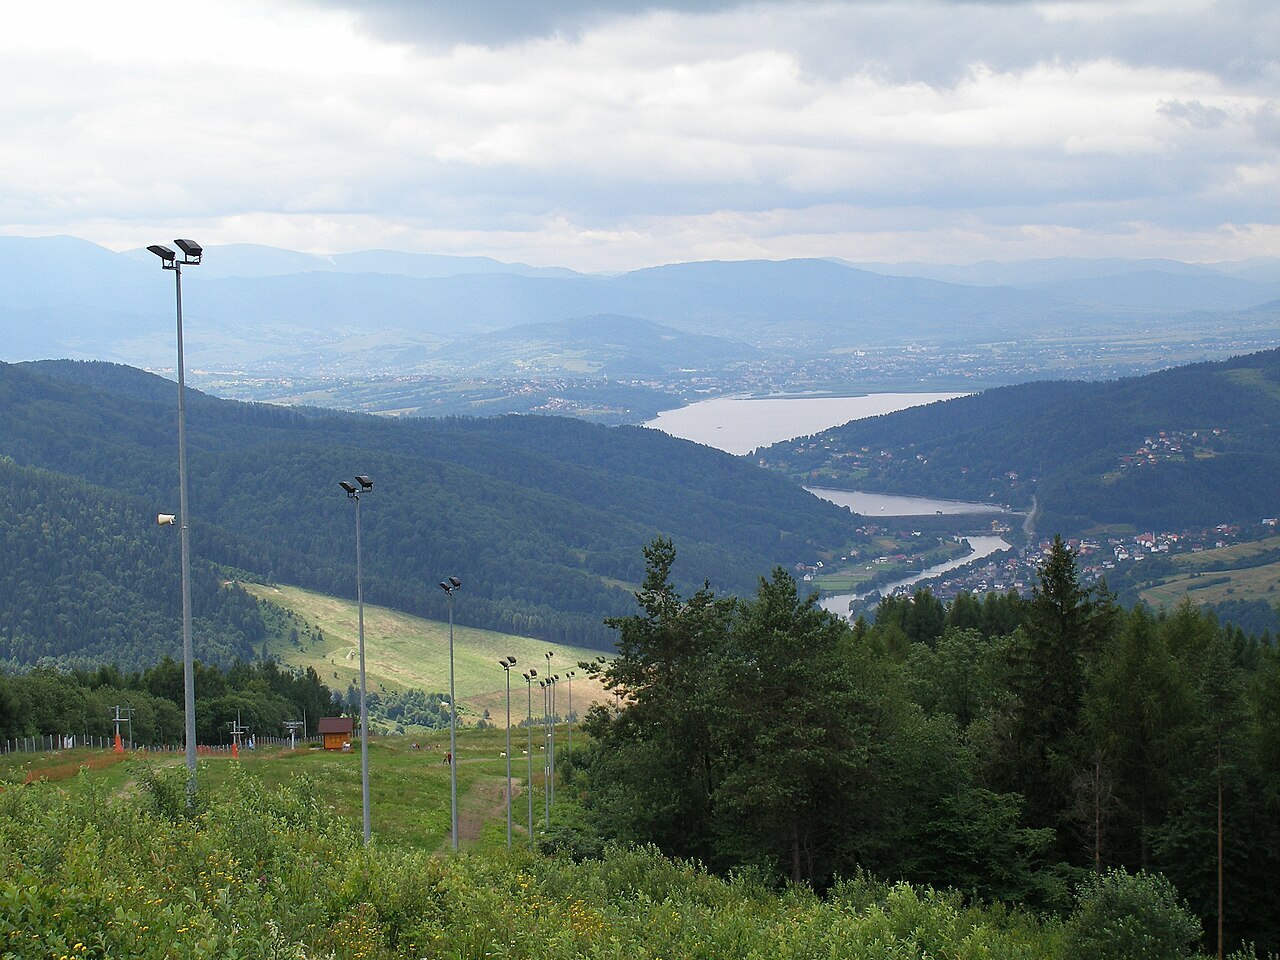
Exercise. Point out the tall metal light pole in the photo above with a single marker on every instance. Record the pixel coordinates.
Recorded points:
(528, 682)
(545, 684)
(449, 586)
(507, 663)
(552, 783)
(353, 493)
(569, 716)
(551, 733)
(191, 255)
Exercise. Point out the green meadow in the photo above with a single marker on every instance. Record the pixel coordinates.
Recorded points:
(404, 651)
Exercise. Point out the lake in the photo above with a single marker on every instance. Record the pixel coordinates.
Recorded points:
(893, 505)
(740, 424)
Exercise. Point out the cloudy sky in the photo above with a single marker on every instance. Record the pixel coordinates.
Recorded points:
(606, 135)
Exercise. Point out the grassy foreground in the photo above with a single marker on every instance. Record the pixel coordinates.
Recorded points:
(273, 872)
(270, 864)
(409, 787)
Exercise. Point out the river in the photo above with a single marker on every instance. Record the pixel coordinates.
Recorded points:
(984, 546)
(740, 424)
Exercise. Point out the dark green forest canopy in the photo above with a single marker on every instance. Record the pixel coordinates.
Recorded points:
(1075, 446)
(1005, 747)
(542, 518)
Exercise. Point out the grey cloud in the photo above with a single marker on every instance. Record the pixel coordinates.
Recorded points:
(1266, 124)
(939, 42)
(932, 41)
(498, 23)
(1194, 113)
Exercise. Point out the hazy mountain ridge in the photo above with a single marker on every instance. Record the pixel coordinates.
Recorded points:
(610, 345)
(384, 311)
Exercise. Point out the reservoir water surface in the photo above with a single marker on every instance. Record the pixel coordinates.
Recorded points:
(740, 424)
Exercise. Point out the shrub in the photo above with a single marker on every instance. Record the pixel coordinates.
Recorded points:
(1124, 916)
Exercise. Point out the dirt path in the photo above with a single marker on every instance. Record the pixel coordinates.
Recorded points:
(485, 801)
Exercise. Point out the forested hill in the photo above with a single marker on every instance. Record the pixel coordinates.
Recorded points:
(543, 519)
(84, 581)
(1184, 447)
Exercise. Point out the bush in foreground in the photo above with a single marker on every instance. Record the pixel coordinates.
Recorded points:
(1124, 916)
(273, 873)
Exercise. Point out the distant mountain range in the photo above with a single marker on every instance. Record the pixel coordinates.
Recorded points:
(610, 346)
(1191, 446)
(268, 310)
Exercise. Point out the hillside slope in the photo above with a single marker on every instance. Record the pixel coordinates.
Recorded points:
(542, 518)
(88, 577)
(1183, 447)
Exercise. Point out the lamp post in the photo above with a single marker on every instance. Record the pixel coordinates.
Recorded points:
(551, 733)
(191, 255)
(569, 716)
(528, 683)
(545, 684)
(507, 663)
(554, 681)
(353, 493)
(449, 586)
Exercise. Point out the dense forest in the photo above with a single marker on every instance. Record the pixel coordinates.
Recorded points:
(1190, 446)
(83, 702)
(88, 578)
(542, 518)
(1004, 747)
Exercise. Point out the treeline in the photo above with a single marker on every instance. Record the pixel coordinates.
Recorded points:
(1064, 442)
(83, 703)
(542, 518)
(1003, 747)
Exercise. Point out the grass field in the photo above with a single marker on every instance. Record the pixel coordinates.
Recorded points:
(1214, 576)
(408, 787)
(403, 651)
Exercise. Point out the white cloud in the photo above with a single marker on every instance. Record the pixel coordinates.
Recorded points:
(614, 135)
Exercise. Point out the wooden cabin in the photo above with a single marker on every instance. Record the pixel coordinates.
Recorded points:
(336, 732)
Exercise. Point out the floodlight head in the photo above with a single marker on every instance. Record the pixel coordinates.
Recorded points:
(526, 677)
(455, 582)
(164, 253)
(191, 250)
(532, 672)
(365, 482)
(351, 491)
(511, 660)
(445, 587)
(166, 519)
